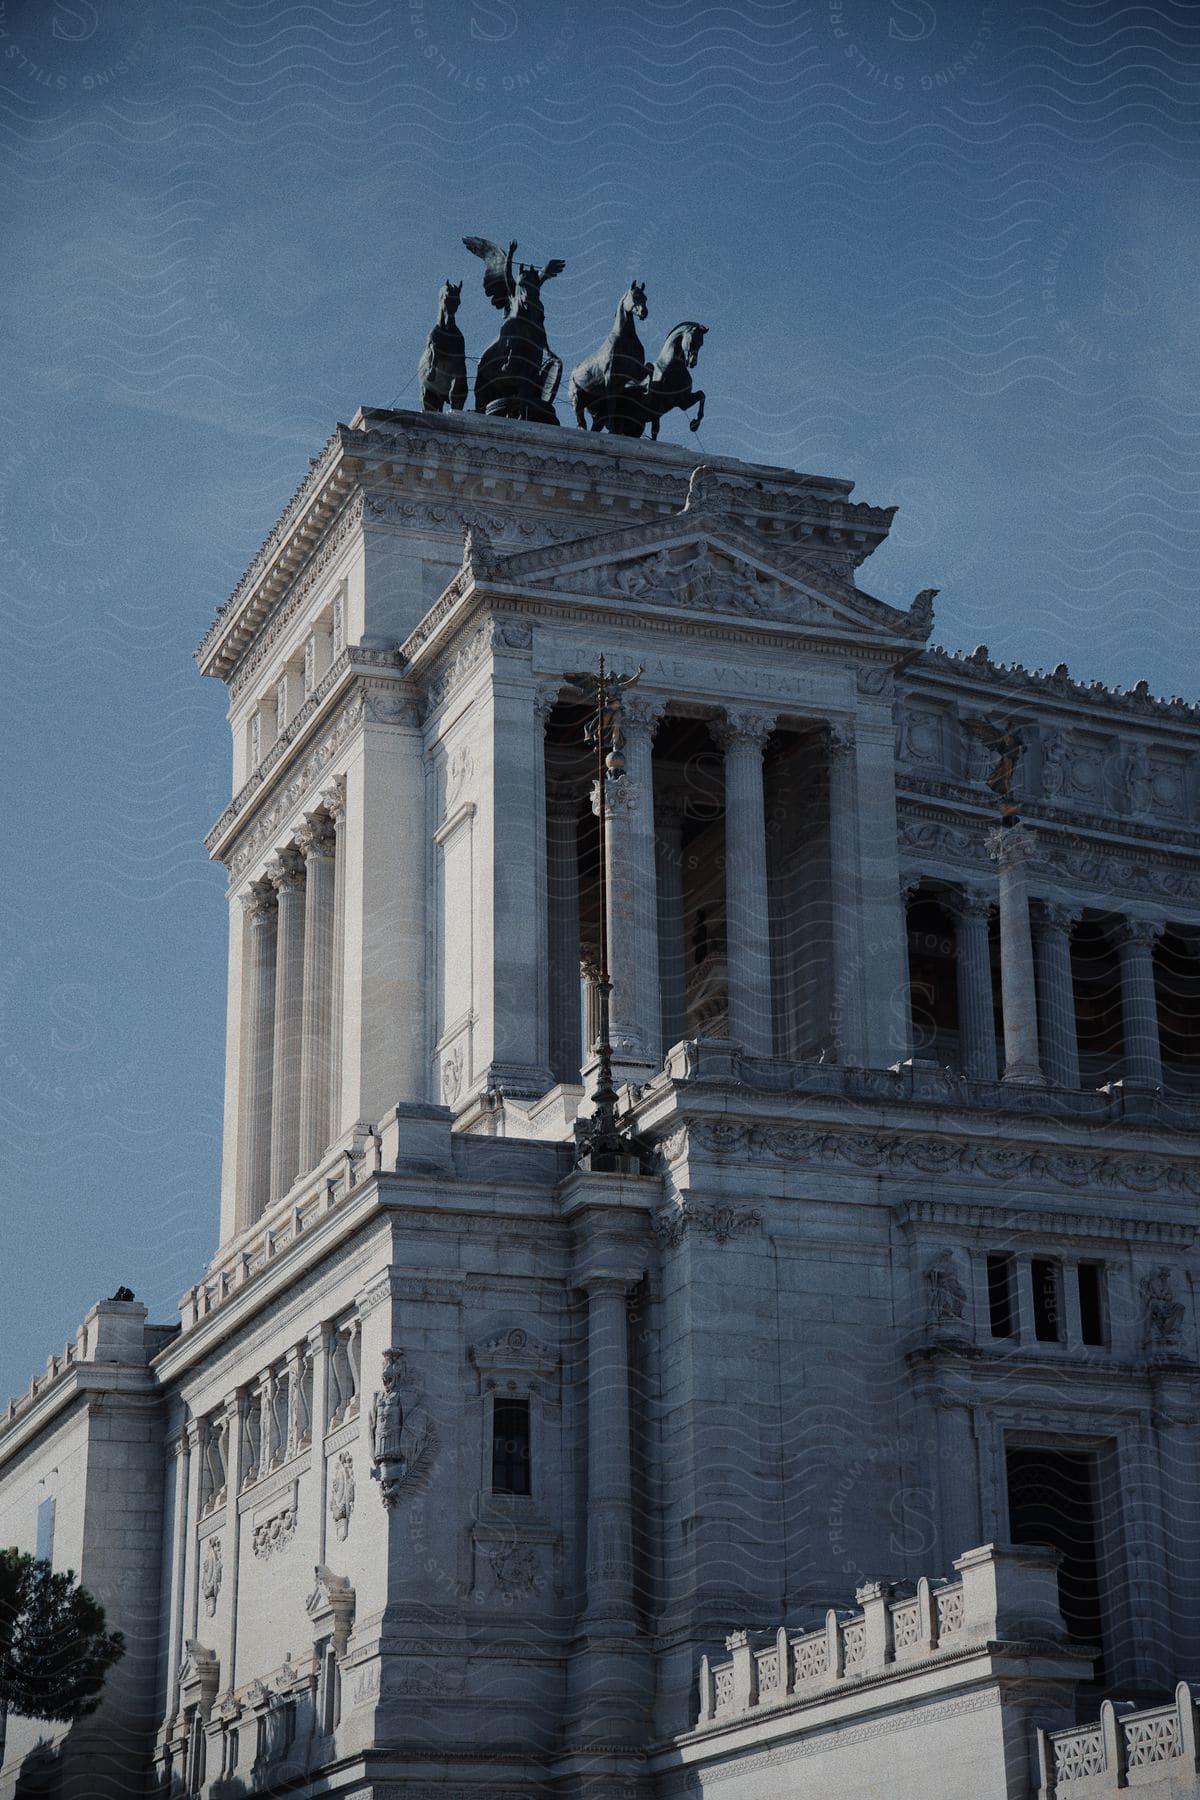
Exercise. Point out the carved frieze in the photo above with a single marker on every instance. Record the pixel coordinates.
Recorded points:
(721, 1223)
(273, 1531)
(309, 774)
(988, 1160)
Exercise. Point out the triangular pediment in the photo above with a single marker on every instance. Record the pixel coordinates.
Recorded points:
(710, 564)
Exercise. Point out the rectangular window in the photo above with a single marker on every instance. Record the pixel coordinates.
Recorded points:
(510, 1447)
(1001, 1307)
(1091, 1302)
(1046, 1310)
(45, 1530)
(1053, 1498)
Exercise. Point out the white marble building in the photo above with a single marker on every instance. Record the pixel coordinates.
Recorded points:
(465, 1463)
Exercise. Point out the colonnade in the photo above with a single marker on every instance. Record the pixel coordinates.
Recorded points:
(292, 1010)
(1037, 985)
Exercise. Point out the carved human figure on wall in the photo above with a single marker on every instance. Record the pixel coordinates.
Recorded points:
(1162, 1313)
(387, 1412)
(947, 1297)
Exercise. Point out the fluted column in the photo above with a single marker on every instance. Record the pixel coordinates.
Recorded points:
(672, 972)
(1135, 939)
(317, 845)
(262, 909)
(610, 1480)
(847, 1023)
(287, 873)
(743, 737)
(1009, 847)
(1056, 993)
(235, 1434)
(589, 974)
(976, 1019)
(562, 905)
(334, 801)
(633, 898)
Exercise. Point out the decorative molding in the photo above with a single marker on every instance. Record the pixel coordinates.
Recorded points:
(263, 834)
(296, 595)
(514, 1569)
(274, 1531)
(1014, 678)
(513, 1355)
(496, 632)
(330, 1606)
(1011, 1221)
(869, 1152)
(719, 1222)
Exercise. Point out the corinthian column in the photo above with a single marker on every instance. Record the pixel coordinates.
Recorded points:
(562, 909)
(976, 1023)
(334, 801)
(743, 737)
(1009, 848)
(261, 907)
(1056, 993)
(288, 876)
(1135, 940)
(316, 843)
(633, 899)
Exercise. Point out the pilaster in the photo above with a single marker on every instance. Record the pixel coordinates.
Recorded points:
(287, 878)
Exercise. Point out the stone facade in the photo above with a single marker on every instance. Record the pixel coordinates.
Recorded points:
(462, 1459)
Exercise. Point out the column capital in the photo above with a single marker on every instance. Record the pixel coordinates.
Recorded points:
(643, 711)
(1009, 844)
(1137, 931)
(597, 1282)
(285, 872)
(670, 808)
(975, 903)
(841, 738)
(316, 836)
(743, 726)
(1051, 916)
(910, 882)
(562, 796)
(546, 696)
(260, 903)
(333, 799)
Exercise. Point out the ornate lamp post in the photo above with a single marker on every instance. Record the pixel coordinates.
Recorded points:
(601, 1145)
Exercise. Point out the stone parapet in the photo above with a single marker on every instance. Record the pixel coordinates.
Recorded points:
(1003, 1593)
(1153, 1749)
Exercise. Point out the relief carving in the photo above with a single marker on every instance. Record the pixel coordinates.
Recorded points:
(402, 1431)
(341, 1493)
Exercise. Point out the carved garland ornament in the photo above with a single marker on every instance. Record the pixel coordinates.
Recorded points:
(869, 1151)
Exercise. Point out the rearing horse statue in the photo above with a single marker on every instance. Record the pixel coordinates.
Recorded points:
(443, 365)
(668, 381)
(600, 385)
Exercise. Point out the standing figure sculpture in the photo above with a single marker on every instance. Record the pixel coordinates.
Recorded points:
(667, 382)
(600, 385)
(517, 377)
(443, 366)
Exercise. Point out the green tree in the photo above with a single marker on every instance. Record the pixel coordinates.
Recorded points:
(54, 1650)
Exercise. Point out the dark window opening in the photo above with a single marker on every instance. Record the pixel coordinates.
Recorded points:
(45, 1530)
(1096, 972)
(1052, 1500)
(1002, 1310)
(1177, 990)
(1091, 1302)
(933, 980)
(1046, 1311)
(510, 1447)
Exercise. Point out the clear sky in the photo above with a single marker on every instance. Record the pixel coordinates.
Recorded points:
(949, 250)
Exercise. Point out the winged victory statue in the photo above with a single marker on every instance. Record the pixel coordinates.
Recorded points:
(517, 377)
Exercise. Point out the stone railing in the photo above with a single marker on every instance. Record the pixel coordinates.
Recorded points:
(1002, 1593)
(114, 1332)
(1123, 1749)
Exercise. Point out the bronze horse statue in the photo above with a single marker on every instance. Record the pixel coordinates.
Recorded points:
(517, 377)
(600, 385)
(443, 365)
(667, 382)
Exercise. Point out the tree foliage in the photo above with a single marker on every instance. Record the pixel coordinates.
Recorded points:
(54, 1650)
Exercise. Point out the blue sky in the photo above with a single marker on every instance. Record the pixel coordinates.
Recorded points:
(950, 251)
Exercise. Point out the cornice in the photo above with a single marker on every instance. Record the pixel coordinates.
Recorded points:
(1109, 1171)
(258, 643)
(975, 801)
(370, 669)
(976, 670)
(1063, 858)
(1039, 1222)
(287, 547)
